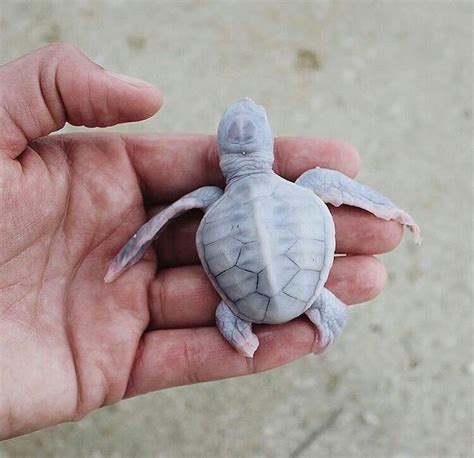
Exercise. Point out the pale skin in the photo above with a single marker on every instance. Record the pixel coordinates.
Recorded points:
(70, 343)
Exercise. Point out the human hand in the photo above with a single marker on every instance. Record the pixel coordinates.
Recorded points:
(70, 343)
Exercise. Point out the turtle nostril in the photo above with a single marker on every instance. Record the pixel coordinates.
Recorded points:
(241, 130)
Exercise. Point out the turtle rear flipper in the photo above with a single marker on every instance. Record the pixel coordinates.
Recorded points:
(236, 331)
(329, 315)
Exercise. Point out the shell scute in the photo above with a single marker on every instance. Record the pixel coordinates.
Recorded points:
(308, 254)
(246, 230)
(302, 285)
(276, 275)
(253, 306)
(217, 231)
(237, 283)
(222, 254)
(283, 308)
(226, 208)
(250, 258)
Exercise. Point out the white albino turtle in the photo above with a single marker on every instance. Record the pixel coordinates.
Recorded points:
(266, 244)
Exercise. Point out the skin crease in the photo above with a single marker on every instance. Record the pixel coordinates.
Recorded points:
(69, 343)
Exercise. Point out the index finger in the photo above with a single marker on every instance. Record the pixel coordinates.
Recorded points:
(169, 166)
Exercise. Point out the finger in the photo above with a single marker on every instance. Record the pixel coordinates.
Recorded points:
(170, 358)
(169, 166)
(360, 232)
(42, 90)
(357, 279)
(357, 232)
(184, 297)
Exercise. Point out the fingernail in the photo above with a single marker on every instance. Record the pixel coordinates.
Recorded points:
(136, 82)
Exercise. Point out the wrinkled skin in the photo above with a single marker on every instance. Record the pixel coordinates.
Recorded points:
(69, 343)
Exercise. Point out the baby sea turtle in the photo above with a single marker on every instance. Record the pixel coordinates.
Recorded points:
(266, 244)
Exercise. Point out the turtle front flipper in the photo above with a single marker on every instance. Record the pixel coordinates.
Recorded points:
(335, 188)
(329, 315)
(236, 331)
(134, 249)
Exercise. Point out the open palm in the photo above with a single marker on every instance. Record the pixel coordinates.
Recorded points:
(70, 343)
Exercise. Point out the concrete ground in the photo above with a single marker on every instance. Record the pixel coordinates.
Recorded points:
(395, 79)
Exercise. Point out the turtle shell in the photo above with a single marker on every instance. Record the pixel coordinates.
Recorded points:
(267, 246)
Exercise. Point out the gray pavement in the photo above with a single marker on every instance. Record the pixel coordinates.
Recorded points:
(393, 78)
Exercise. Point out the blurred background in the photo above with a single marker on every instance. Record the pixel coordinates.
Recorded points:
(393, 78)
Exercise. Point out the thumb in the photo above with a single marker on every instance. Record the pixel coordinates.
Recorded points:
(43, 90)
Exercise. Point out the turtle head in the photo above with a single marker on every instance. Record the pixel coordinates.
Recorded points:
(245, 140)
